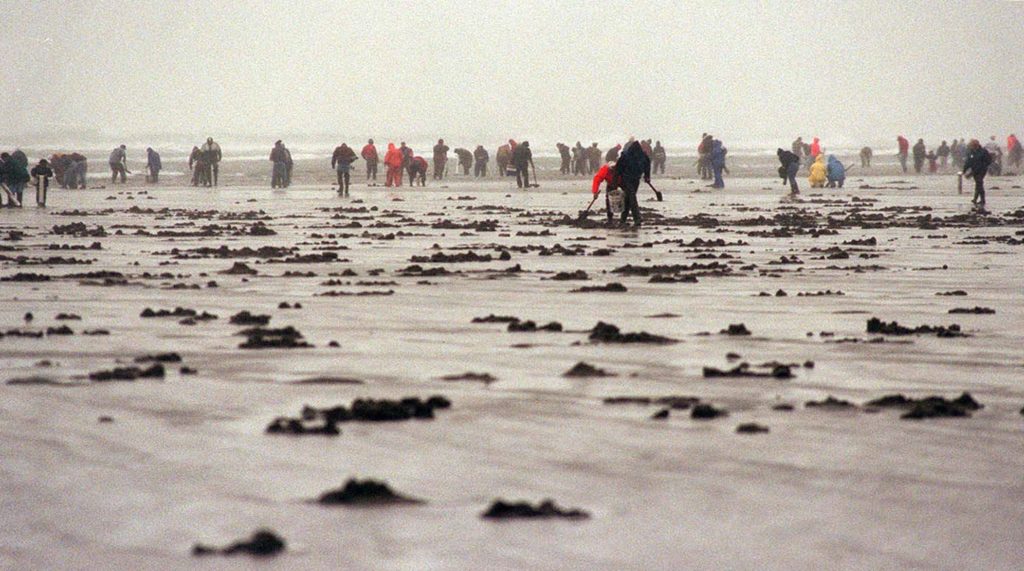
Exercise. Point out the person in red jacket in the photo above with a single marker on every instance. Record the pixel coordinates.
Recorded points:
(393, 161)
(904, 152)
(369, 154)
(607, 175)
(815, 147)
(1014, 151)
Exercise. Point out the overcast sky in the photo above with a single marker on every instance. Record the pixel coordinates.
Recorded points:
(747, 71)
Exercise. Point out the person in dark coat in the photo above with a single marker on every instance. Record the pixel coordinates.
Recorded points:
(153, 164)
(15, 176)
(633, 164)
(440, 159)
(465, 159)
(522, 159)
(566, 156)
(341, 161)
(613, 154)
(407, 161)
(279, 173)
(789, 169)
(658, 157)
(976, 167)
(920, 152)
(481, 158)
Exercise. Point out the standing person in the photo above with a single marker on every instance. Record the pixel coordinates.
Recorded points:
(118, 164)
(933, 162)
(703, 157)
(153, 164)
(613, 154)
(341, 162)
(717, 160)
(369, 154)
(195, 165)
(645, 144)
(289, 165)
(211, 157)
(943, 154)
(594, 159)
(407, 156)
(522, 160)
(481, 156)
(789, 169)
(393, 162)
(815, 147)
(1014, 152)
(798, 147)
(279, 158)
(465, 159)
(15, 176)
(658, 158)
(632, 165)
(920, 152)
(606, 174)
(565, 154)
(865, 157)
(904, 151)
(42, 173)
(440, 159)
(976, 167)
(579, 158)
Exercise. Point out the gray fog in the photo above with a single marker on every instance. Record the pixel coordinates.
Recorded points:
(747, 71)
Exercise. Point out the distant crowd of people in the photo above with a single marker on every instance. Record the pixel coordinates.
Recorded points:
(972, 159)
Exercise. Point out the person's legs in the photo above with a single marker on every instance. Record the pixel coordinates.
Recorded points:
(18, 190)
(608, 207)
(719, 183)
(113, 173)
(519, 177)
(341, 179)
(630, 204)
(979, 187)
(791, 172)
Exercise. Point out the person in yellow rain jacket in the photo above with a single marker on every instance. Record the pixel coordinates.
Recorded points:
(818, 172)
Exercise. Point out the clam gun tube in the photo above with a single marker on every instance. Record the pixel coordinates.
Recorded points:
(960, 182)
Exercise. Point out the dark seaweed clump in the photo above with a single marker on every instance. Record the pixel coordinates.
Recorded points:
(547, 509)
(929, 407)
(608, 333)
(364, 493)
(263, 543)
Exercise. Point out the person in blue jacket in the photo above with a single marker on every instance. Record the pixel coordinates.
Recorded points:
(717, 162)
(836, 172)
